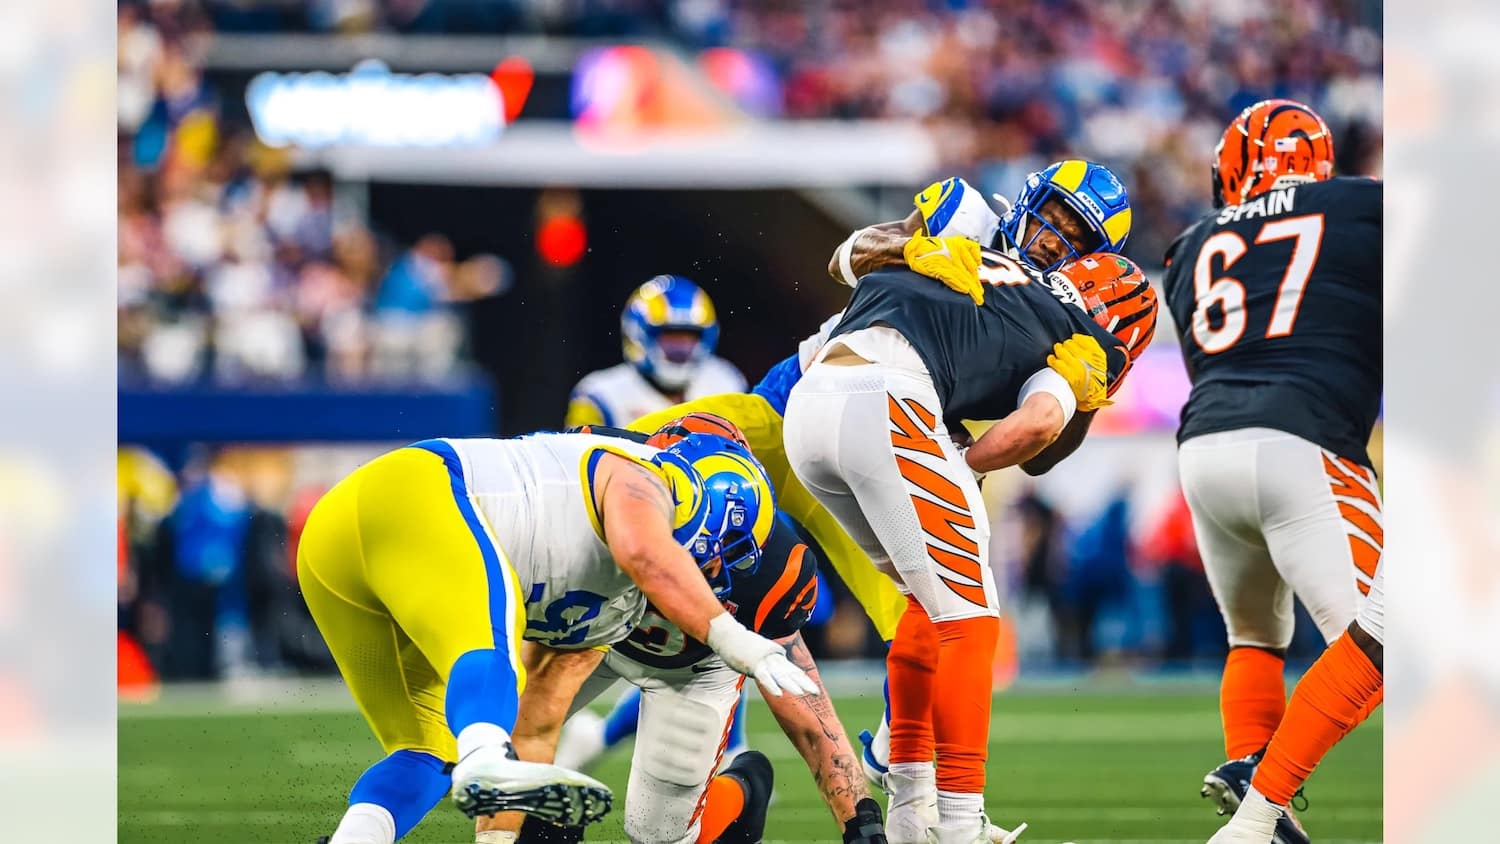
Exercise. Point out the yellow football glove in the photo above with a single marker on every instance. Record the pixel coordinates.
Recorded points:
(952, 260)
(1081, 361)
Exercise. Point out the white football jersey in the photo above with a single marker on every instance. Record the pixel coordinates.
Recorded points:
(620, 395)
(535, 494)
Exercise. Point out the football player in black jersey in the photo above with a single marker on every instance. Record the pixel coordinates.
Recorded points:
(1277, 298)
(688, 702)
(868, 432)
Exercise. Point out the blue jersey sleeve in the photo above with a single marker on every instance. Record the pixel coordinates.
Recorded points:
(778, 383)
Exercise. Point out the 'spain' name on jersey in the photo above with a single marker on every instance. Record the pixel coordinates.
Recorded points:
(1278, 306)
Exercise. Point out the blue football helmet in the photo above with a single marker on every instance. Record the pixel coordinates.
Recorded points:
(1090, 190)
(725, 505)
(669, 303)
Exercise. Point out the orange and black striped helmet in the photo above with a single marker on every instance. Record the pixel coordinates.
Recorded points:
(1119, 298)
(1270, 144)
(697, 422)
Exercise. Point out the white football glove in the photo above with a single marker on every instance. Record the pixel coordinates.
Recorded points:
(953, 208)
(754, 655)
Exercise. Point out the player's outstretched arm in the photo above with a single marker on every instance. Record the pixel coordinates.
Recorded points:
(1020, 436)
(637, 516)
(813, 727)
(877, 247)
(636, 512)
(1067, 442)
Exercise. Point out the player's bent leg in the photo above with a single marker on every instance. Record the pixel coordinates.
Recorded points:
(1254, 600)
(684, 728)
(391, 797)
(737, 800)
(381, 670)
(911, 778)
(435, 566)
(877, 429)
(1323, 526)
(1332, 698)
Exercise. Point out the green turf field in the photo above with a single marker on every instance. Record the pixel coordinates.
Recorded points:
(1089, 767)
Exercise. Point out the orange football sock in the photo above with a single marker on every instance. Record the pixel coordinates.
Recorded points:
(723, 803)
(910, 671)
(1332, 698)
(1370, 706)
(961, 714)
(1252, 699)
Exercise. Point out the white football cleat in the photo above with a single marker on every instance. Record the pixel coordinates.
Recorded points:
(913, 808)
(983, 832)
(1254, 822)
(1000, 835)
(581, 742)
(490, 780)
(1242, 833)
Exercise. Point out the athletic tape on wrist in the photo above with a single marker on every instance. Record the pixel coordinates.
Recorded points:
(846, 269)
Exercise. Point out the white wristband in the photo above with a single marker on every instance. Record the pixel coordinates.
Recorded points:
(736, 644)
(846, 269)
(1046, 380)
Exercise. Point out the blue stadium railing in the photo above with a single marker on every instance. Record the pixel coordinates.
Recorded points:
(306, 412)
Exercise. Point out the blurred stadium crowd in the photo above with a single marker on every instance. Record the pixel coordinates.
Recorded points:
(232, 266)
(236, 268)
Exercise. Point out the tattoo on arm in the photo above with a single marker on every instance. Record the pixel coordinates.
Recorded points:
(637, 482)
(825, 746)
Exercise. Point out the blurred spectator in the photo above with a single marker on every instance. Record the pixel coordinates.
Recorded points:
(233, 266)
(1098, 579)
(203, 581)
(1193, 627)
(415, 334)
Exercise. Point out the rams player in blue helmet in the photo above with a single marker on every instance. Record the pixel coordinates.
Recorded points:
(669, 330)
(674, 794)
(427, 567)
(1066, 210)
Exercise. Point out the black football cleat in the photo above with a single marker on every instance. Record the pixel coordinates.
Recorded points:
(752, 770)
(1228, 784)
(536, 831)
(867, 826)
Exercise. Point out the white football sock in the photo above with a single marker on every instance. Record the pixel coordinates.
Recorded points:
(958, 808)
(1257, 813)
(496, 836)
(478, 735)
(365, 823)
(915, 770)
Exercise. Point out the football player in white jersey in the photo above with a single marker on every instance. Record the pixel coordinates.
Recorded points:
(691, 699)
(669, 330)
(425, 568)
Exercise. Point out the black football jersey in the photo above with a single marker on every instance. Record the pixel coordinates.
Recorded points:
(1277, 303)
(978, 357)
(775, 600)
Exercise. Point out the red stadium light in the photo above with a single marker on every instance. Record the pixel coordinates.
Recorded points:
(561, 240)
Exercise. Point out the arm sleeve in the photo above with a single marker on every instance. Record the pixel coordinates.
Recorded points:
(1045, 380)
